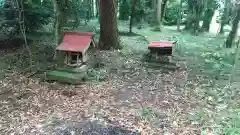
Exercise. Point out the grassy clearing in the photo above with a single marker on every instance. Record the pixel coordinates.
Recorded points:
(218, 110)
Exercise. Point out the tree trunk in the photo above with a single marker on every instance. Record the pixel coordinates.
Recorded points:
(131, 16)
(92, 8)
(97, 8)
(158, 15)
(109, 36)
(232, 34)
(164, 5)
(116, 6)
(225, 17)
(64, 7)
(179, 15)
(154, 2)
(76, 6)
(195, 8)
(153, 19)
(124, 10)
(57, 16)
(208, 15)
(189, 23)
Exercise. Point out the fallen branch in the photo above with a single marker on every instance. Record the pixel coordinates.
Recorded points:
(32, 74)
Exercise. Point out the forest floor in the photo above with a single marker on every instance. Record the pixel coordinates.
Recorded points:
(133, 99)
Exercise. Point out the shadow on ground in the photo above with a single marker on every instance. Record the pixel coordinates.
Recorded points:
(85, 128)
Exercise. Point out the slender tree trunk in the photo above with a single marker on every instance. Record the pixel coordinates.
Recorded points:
(92, 8)
(154, 2)
(57, 24)
(63, 8)
(154, 8)
(132, 14)
(189, 23)
(109, 36)
(124, 10)
(97, 8)
(197, 27)
(164, 5)
(158, 15)
(232, 34)
(20, 9)
(208, 15)
(76, 6)
(195, 8)
(179, 15)
(57, 16)
(225, 17)
(89, 9)
(116, 6)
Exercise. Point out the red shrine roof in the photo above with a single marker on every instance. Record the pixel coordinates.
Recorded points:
(160, 44)
(75, 41)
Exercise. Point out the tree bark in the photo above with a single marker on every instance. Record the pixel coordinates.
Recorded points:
(164, 5)
(109, 36)
(195, 9)
(116, 6)
(97, 8)
(232, 34)
(124, 10)
(91, 8)
(179, 15)
(131, 16)
(57, 16)
(225, 17)
(158, 15)
(154, 2)
(76, 6)
(64, 7)
(154, 7)
(208, 15)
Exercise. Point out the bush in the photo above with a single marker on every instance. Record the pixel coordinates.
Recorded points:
(36, 16)
(171, 14)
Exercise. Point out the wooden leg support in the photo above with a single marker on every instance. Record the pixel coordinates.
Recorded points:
(84, 57)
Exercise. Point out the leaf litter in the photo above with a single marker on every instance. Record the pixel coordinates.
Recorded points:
(133, 99)
(35, 107)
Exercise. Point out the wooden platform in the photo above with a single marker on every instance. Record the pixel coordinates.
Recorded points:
(161, 47)
(66, 76)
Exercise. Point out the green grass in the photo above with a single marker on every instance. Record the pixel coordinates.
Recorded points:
(206, 56)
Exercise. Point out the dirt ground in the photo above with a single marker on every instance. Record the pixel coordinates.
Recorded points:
(132, 100)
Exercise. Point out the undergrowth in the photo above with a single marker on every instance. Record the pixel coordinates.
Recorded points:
(18, 60)
(218, 112)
